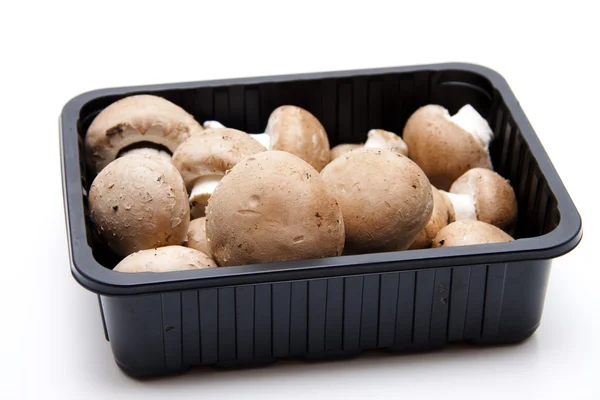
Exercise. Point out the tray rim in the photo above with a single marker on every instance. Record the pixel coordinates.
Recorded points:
(99, 279)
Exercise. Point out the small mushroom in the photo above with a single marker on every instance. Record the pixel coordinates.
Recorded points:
(380, 139)
(385, 199)
(444, 146)
(204, 159)
(165, 259)
(295, 130)
(376, 139)
(139, 202)
(273, 206)
(469, 232)
(342, 149)
(441, 216)
(141, 121)
(486, 196)
(196, 236)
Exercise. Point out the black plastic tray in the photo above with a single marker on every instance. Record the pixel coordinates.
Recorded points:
(401, 301)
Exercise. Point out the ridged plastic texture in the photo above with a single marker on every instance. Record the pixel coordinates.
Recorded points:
(400, 301)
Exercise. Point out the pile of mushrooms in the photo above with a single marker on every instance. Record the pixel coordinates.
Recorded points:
(173, 194)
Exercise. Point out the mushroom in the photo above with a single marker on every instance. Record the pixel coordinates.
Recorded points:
(376, 139)
(273, 206)
(442, 215)
(444, 146)
(204, 159)
(141, 121)
(385, 199)
(295, 130)
(139, 202)
(165, 259)
(342, 149)
(196, 236)
(486, 196)
(468, 232)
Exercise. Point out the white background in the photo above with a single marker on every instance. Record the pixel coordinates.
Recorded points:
(52, 343)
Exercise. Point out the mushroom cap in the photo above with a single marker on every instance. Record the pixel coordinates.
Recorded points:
(469, 231)
(442, 149)
(196, 236)
(165, 259)
(385, 199)
(134, 119)
(139, 202)
(343, 148)
(273, 206)
(297, 131)
(440, 217)
(495, 200)
(213, 152)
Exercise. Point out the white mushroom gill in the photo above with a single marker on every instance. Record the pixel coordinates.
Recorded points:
(376, 139)
(471, 121)
(262, 138)
(464, 205)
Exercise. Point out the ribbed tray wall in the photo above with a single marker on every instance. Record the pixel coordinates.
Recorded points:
(403, 311)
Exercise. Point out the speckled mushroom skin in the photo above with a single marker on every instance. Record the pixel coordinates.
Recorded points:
(495, 200)
(442, 149)
(133, 119)
(196, 236)
(469, 232)
(273, 206)
(385, 199)
(439, 219)
(139, 202)
(297, 131)
(165, 259)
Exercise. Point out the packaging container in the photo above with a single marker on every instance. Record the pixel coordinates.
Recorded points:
(399, 301)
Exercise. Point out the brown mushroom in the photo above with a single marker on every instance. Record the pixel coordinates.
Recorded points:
(444, 146)
(139, 202)
(440, 217)
(165, 259)
(137, 121)
(196, 236)
(469, 232)
(204, 159)
(295, 130)
(486, 196)
(385, 199)
(342, 149)
(273, 206)
(381, 139)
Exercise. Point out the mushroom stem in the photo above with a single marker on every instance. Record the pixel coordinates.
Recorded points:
(202, 189)
(161, 154)
(472, 122)
(464, 205)
(262, 138)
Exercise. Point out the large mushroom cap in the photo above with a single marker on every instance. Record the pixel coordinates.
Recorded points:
(135, 119)
(273, 206)
(139, 202)
(495, 200)
(165, 259)
(468, 232)
(343, 148)
(440, 217)
(385, 199)
(211, 153)
(442, 148)
(196, 236)
(297, 131)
